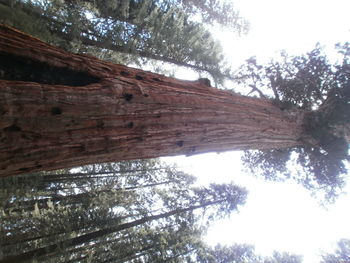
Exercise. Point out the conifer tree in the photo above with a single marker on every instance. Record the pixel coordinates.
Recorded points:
(129, 31)
(144, 210)
(340, 255)
(306, 82)
(62, 110)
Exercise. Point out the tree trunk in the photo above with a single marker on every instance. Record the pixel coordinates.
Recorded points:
(80, 240)
(70, 200)
(87, 36)
(60, 110)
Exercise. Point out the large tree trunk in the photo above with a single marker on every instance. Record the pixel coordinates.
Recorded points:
(62, 110)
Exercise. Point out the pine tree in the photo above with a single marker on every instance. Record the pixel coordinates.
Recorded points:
(143, 210)
(341, 255)
(127, 31)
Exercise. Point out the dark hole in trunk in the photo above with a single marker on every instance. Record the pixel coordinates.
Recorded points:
(24, 69)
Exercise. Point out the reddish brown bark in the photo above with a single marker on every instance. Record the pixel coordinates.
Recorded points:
(106, 112)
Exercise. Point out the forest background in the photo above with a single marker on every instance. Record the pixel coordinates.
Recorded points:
(30, 211)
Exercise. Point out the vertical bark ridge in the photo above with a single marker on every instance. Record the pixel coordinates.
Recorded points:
(125, 114)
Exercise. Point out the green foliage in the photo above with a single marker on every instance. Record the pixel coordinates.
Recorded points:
(304, 81)
(228, 254)
(283, 258)
(308, 83)
(131, 32)
(341, 255)
(242, 254)
(133, 211)
(215, 12)
(136, 211)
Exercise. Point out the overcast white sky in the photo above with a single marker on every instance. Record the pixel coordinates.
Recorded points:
(278, 216)
(293, 25)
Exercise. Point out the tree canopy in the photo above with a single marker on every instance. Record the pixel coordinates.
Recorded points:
(340, 255)
(134, 211)
(93, 214)
(124, 212)
(132, 31)
(311, 83)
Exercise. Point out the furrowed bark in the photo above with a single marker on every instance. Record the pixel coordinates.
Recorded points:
(59, 109)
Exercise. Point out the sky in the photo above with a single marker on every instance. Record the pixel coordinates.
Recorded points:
(295, 26)
(277, 216)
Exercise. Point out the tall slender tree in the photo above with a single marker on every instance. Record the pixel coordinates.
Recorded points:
(153, 222)
(139, 30)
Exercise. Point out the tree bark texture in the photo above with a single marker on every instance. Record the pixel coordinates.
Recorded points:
(59, 110)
